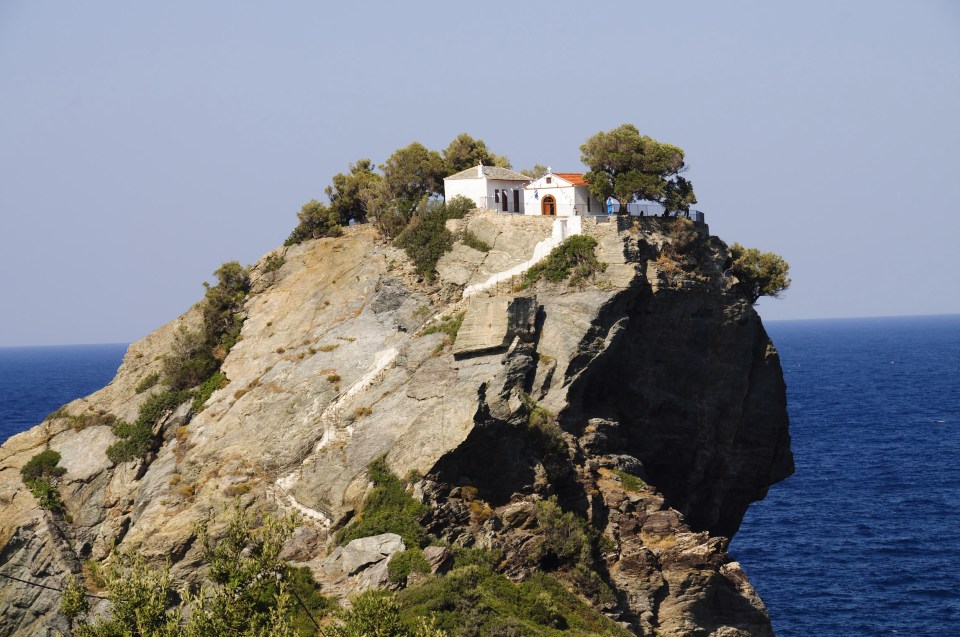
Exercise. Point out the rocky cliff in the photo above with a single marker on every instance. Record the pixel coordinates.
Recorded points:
(649, 402)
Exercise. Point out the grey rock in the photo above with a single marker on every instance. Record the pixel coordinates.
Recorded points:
(436, 557)
(364, 551)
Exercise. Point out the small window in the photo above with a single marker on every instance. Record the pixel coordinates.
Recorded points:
(588, 203)
(549, 180)
(496, 195)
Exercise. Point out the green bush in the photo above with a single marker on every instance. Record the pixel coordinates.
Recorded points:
(377, 614)
(148, 382)
(473, 241)
(629, 481)
(459, 206)
(43, 465)
(564, 536)
(197, 355)
(449, 325)
(426, 238)
(136, 439)
(316, 220)
(574, 259)
(274, 262)
(403, 563)
(388, 508)
(39, 474)
(247, 592)
(475, 600)
(47, 495)
(218, 381)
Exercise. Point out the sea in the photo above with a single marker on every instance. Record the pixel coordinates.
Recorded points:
(862, 541)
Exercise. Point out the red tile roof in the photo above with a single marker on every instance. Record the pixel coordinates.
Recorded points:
(574, 178)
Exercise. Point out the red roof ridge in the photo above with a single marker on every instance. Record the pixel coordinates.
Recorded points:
(574, 178)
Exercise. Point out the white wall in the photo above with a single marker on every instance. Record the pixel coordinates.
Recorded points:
(566, 196)
(509, 186)
(475, 189)
(482, 192)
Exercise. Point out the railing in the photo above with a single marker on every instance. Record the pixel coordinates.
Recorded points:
(633, 209)
(496, 203)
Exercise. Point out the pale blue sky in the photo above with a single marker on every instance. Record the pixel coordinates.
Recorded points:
(143, 144)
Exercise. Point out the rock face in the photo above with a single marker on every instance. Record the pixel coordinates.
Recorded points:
(658, 369)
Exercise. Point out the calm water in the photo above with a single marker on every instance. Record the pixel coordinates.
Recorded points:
(863, 540)
(35, 381)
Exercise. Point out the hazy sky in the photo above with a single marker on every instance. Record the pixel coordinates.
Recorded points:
(143, 144)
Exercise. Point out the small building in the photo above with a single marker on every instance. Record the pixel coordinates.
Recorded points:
(489, 187)
(560, 195)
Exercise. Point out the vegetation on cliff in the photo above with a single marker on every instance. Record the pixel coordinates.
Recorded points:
(574, 259)
(426, 238)
(629, 166)
(40, 474)
(248, 591)
(760, 273)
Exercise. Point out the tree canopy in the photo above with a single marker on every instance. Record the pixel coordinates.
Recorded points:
(412, 173)
(629, 166)
(465, 151)
(759, 273)
(346, 193)
(389, 197)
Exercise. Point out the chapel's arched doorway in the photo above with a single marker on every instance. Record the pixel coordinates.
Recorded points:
(548, 206)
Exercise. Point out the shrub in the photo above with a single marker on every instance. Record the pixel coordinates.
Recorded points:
(43, 465)
(360, 412)
(402, 563)
(574, 259)
(426, 238)
(197, 355)
(473, 241)
(39, 474)
(564, 536)
(91, 419)
(246, 592)
(136, 439)
(149, 381)
(218, 381)
(316, 220)
(388, 508)
(475, 600)
(449, 325)
(629, 481)
(459, 206)
(760, 273)
(274, 262)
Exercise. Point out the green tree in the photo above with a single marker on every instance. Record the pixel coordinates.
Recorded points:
(465, 151)
(628, 166)
(411, 174)
(538, 171)
(347, 191)
(316, 220)
(197, 355)
(759, 273)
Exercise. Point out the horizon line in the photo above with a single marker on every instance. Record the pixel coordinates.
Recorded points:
(780, 320)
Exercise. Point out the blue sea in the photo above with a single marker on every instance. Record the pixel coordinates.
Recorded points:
(864, 540)
(35, 381)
